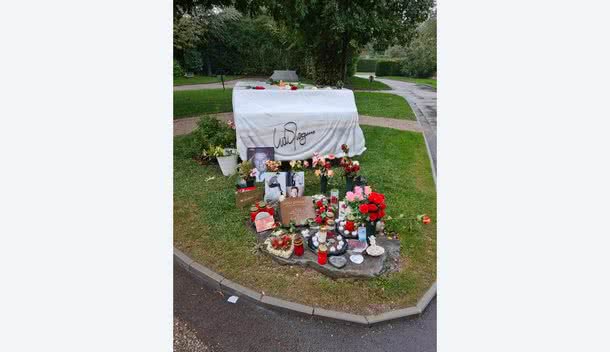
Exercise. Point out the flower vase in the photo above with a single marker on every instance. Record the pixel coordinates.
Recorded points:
(349, 184)
(371, 227)
(323, 184)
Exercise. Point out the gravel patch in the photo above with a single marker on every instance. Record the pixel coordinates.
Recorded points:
(185, 339)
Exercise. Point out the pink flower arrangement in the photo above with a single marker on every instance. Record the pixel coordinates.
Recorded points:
(370, 206)
(323, 167)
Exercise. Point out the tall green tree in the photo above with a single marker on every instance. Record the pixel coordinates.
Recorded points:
(333, 30)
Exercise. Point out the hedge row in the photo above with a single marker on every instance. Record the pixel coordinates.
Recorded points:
(367, 65)
(388, 68)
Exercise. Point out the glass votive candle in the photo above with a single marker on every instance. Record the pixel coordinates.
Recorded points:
(322, 234)
(322, 254)
(298, 246)
(334, 196)
(253, 212)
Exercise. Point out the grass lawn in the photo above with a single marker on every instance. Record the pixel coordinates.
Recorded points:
(205, 101)
(209, 228)
(190, 103)
(358, 83)
(197, 79)
(383, 105)
(427, 81)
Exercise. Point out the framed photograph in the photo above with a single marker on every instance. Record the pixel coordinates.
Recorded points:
(296, 184)
(259, 156)
(275, 186)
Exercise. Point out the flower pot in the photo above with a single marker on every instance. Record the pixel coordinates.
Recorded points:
(323, 184)
(349, 184)
(228, 164)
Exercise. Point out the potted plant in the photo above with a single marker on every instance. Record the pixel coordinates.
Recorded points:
(247, 172)
(227, 159)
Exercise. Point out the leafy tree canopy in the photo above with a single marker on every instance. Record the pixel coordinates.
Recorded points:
(331, 30)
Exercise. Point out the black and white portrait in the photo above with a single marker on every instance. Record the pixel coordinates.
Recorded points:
(275, 186)
(259, 157)
(296, 184)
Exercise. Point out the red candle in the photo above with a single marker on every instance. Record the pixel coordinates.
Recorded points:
(270, 210)
(298, 247)
(322, 254)
(253, 212)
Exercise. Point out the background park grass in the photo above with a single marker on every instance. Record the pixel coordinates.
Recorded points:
(208, 227)
(383, 105)
(427, 81)
(197, 79)
(191, 103)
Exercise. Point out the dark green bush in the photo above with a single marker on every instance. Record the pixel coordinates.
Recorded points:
(178, 72)
(210, 132)
(193, 62)
(387, 68)
(367, 65)
(420, 62)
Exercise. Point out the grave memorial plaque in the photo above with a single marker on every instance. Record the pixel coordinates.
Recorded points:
(297, 209)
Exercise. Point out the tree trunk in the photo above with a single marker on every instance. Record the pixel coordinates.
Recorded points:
(208, 64)
(344, 66)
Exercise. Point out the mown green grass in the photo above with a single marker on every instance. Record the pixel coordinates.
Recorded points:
(197, 79)
(383, 105)
(358, 83)
(208, 227)
(205, 101)
(427, 81)
(190, 103)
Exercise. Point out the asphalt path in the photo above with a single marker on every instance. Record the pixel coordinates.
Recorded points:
(245, 326)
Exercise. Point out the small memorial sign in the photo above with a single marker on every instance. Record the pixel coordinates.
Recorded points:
(263, 223)
(297, 209)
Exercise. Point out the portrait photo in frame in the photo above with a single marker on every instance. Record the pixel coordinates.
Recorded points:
(259, 156)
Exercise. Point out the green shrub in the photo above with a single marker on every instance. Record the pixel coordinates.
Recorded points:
(420, 62)
(388, 68)
(367, 65)
(193, 62)
(178, 72)
(210, 132)
(352, 65)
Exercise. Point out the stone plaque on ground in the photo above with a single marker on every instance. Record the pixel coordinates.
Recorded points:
(297, 209)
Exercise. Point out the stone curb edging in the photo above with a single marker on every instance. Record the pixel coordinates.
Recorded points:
(218, 282)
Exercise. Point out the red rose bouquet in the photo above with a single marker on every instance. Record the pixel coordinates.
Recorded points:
(373, 208)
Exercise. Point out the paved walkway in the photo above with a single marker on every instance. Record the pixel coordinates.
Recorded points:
(245, 326)
(422, 99)
(228, 84)
(187, 125)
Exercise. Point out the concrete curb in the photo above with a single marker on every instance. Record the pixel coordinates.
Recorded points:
(218, 282)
